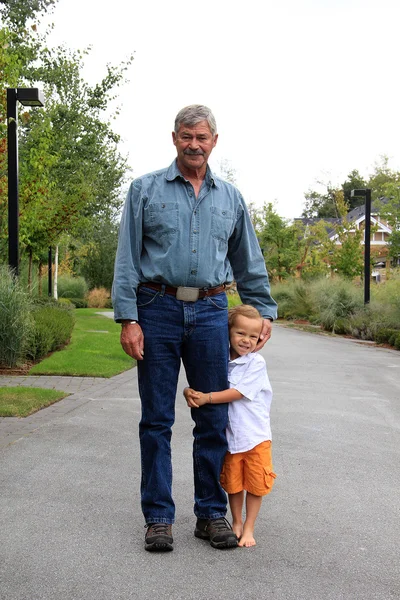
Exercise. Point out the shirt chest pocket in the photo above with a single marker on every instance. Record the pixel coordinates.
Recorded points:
(161, 218)
(222, 223)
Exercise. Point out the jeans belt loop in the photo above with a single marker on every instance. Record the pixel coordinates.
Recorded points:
(162, 292)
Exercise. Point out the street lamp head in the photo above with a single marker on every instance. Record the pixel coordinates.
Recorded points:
(354, 193)
(30, 96)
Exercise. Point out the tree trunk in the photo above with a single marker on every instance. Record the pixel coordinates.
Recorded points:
(30, 271)
(40, 274)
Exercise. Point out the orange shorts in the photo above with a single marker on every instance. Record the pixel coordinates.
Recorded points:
(250, 471)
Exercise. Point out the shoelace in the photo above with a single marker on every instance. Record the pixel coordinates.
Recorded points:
(218, 525)
(158, 528)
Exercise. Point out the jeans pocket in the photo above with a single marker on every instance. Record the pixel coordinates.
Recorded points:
(146, 297)
(219, 301)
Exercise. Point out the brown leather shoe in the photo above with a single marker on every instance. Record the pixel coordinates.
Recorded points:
(158, 537)
(217, 531)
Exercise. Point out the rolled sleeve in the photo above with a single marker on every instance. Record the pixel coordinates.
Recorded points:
(248, 266)
(127, 262)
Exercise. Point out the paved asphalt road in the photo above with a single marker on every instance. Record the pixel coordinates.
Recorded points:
(71, 527)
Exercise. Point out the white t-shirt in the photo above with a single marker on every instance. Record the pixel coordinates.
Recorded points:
(249, 423)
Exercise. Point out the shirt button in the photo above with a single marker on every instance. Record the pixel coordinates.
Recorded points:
(193, 272)
(194, 251)
(194, 230)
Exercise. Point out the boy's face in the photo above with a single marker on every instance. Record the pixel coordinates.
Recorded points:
(244, 335)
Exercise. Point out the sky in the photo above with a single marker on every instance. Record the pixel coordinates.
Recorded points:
(302, 90)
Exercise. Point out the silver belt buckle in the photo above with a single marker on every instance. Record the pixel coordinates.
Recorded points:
(187, 294)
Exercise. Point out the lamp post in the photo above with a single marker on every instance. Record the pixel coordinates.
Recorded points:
(367, 241)
(27, 97)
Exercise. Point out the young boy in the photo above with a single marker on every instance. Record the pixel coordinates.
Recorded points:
(248, 462)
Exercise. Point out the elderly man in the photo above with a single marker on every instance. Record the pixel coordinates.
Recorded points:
(184, 235)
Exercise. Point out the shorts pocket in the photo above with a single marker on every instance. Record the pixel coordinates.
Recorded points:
(269, 478)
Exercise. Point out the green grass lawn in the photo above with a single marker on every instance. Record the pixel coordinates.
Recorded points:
(94, 350)
(23, 401)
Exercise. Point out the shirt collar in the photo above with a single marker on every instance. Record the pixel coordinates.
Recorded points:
(242, 360)
(174, 173)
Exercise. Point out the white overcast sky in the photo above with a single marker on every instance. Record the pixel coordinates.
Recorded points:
(301, 89)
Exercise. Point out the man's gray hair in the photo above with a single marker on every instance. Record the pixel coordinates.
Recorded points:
(193, 114)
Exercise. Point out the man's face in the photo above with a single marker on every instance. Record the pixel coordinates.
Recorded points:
(194, 145)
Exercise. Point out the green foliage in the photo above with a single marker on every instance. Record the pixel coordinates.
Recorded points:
(79, 302)
(52, 329)
(383, 335)
(95, 350)
(70, 169)
(387, 296)
(15, 319)
(338, 300)
(18, 12)
(233, 299)
(71, 287)
(397, 341)
(354, 181)
(97, 253)
(279, 242)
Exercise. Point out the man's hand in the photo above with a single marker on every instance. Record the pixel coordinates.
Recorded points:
(264, 335)
(132, 340)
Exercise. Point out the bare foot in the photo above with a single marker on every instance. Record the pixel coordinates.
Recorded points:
(247, 540)
(237, 529)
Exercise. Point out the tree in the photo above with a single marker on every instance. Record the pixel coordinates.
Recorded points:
(96, 255)
(354, 181)
(279, 242)
(320, 205)
(347, 256)
(70, 168)
(18, 12)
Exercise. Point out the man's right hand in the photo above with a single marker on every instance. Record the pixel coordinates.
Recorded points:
(132, 340)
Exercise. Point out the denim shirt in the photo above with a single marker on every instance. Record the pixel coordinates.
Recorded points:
(169, 236)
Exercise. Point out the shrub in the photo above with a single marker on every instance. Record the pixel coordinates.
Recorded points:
(66, 302)
(397, 341)
(52, 329)
(15, 319)
(338, 301)
(98, 298)
(295, 300)
(383, 335)
(78, 302)
(71, 287)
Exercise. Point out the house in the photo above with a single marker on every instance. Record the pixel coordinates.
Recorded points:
(381, 231)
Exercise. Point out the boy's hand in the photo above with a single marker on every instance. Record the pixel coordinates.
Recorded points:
(190, 397)
(195, 399)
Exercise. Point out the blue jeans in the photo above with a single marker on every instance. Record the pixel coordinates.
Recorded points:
(197, 333)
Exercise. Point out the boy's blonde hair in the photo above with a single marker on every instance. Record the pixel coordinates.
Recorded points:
(244, 310)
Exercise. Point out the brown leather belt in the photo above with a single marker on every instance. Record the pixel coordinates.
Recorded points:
(187, 294)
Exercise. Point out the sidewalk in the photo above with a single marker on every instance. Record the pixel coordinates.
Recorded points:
(82, 390)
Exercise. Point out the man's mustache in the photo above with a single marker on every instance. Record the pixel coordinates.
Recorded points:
(193, 152)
